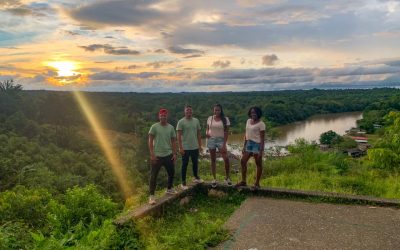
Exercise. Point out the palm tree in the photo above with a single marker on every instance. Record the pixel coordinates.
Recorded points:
(8, 86)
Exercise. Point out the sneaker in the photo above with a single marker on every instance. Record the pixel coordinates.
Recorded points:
(228, 182)
(152, 200)
(197, 180)
(184, 187)
(214, 183)
(171, 191)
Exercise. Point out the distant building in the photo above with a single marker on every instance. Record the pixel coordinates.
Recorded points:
(359, 139)
(354, 152)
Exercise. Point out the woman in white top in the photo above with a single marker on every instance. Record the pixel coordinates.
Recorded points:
(253, 145)
(217, 136)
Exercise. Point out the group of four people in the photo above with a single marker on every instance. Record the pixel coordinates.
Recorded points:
(164, 151)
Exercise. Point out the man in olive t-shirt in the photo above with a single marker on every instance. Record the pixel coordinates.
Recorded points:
(162, 148)
(189, 140)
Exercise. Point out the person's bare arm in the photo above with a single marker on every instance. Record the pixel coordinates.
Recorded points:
(199, 140)
(173, 143)
(180, 142)
(262, 143)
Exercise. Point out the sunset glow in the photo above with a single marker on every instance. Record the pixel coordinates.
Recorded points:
(175, 46)
(64, 68)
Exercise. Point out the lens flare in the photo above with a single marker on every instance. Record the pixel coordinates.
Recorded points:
(116, 165)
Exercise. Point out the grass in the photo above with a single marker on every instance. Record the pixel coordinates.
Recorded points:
(196, 225)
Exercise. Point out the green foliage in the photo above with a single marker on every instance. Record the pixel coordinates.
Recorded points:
(386, 153)
(15, 235)
(346, 143)
(330, 138)
(86, 206)
(29, 206)
(196, 226)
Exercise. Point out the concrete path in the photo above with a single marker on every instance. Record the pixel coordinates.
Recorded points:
(265, 223)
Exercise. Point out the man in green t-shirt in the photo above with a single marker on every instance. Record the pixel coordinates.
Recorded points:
(189, 140)
(162, 146)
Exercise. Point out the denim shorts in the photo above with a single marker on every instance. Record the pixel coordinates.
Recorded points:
(252, 147)
(215, 142)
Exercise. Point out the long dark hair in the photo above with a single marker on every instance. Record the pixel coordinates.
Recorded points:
(223, 118)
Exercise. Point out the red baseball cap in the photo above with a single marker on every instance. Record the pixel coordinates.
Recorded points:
(163, 112)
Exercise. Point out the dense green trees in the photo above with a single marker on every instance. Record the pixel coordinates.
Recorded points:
(54, 179)
(386, 153)
(330, 138)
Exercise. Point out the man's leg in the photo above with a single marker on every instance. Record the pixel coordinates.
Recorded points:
(185, 162)
(194, 154)
(155, 168)
(170, 167)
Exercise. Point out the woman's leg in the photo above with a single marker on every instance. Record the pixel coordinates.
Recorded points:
(243, 162)
(258, 159)
(213, 164)
(226, 162)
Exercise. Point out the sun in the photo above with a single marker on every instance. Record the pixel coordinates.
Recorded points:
(67, 73)
(64, 68)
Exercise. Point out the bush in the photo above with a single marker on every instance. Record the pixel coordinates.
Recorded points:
(30, 206)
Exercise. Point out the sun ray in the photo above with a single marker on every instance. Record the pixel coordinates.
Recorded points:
(111, 156)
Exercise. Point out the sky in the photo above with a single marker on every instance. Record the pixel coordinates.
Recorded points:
(186, 46)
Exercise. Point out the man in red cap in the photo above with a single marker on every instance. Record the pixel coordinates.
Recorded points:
(162, 146)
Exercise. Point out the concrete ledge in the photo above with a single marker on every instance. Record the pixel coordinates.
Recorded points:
(164, 201)
(158, 208)
(321, 196)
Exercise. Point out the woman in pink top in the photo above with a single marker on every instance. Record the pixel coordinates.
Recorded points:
(253, 145)
(217, 136)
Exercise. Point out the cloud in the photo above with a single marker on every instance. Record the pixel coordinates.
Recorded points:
(269, 59)
(120, 76)
(221, 64)
(395, 63)
(149, 14)
(21, 11)
(159, 51)
(180, 50)
(108, 49)
(133, 66)
(159, 64)
(193, 56)
(114, 76)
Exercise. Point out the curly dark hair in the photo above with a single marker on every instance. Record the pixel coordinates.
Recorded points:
(257, 110)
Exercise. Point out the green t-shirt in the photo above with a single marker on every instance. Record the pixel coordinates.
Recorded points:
(162, 138)
(189, 133)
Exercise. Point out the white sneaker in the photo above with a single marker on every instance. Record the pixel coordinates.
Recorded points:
(184, 187)
(171, 191)
(228, 182)
(199, 180)
(152, 200)
(214, 183)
